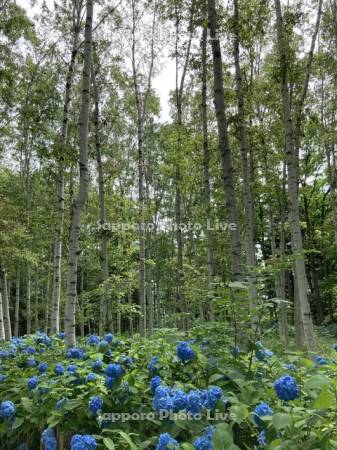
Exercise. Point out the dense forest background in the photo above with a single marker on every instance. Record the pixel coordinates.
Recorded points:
(237, 191)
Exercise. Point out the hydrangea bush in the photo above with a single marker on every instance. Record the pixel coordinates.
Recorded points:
(167, 392)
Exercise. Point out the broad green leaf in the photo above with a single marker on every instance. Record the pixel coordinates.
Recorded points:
(326, 399)
(109, 444)
(281, 420)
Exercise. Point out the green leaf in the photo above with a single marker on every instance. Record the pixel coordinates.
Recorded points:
(127, 438)
(109, 443)
(222, 437)
(18, 422)
(187, 446)
(239, 413)
(27, 404)
(326, 399)
(215, 377)
(281, 420)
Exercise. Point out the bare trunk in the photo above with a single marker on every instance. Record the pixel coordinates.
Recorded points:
(207, 187)
(56, 292)
(79, 202)
(293, 178)
(245, 162)
(2, 328)
(28, 305)
(101, 192)
(5, 304)
(17, 303)
(225, 151)
(36, 302)
(81, 303)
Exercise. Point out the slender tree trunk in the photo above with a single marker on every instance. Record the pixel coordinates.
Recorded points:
(79, 201)
(81, 303)
(101, 195)
(2, 327)
(293, 178)
(28, 305)
(5, 305)
(56, 293)
(246, 173)
(207, 187)
(225, 151)
(36, 302)
(17, 303)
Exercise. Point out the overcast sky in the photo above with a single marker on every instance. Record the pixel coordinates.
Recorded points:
(163, 83)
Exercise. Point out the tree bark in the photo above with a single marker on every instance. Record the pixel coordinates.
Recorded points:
(246, 173)
(292, 157)
(79, 202)
(5, 304)
(207, 186)
(2, 328)
(28, 305)
(101, 195)
(225, 151)
(17, 303)
(56, 292)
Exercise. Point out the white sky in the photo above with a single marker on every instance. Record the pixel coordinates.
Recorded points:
(163, 83)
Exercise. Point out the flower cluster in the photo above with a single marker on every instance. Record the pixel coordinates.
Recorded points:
(321, 361)
(185, 352)
(48, 439)
(95, 404)
(167, 442)
(286, 388)
(109, 337)
(97, 365)
(261, 410)
(7, 409)
(76, 353)
(83, 442)
(175, 400)
(93, 340)
(33, 382)
(72, 368)
(59, 369)
(42, 338)
(205, 442)
(113, 372)
(152, 366)
(42, 367)
(261, 352)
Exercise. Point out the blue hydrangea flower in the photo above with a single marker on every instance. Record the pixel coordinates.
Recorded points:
(261, 410)
(33, 382)
(193, 403)
(286, 388)
(127, 360)
(162, 400)
(321, 361)
(76, 353)
(335, 347)
(152, 366)
(185, 352)
(3, 354)
(48, 439)
(3, 378)
(59, 369)
(97, 365)
(43, 367)
(210, 397)
(90, 377)
(154, 383)
(114, 371)
(31, 362)
(7, 409)
(167, 442)
(262, 439)
(179, 400)
(83, 442)
(61, 335)
(93, 340)
(262, 353)
(95, 404)
(109, 337)
(30, 350)
(42, 338)
(72, 368)
(205, 442)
